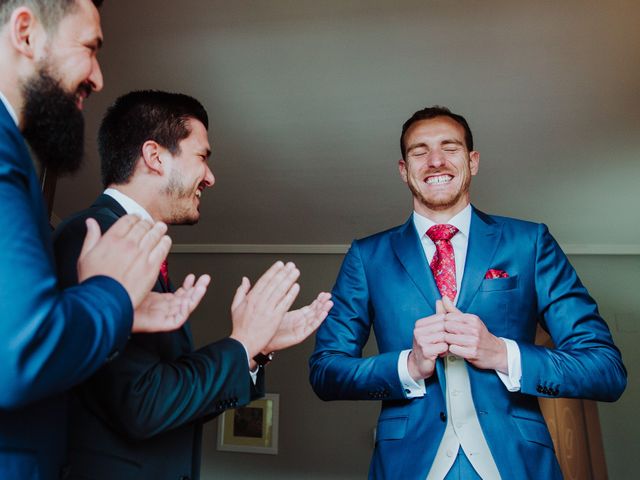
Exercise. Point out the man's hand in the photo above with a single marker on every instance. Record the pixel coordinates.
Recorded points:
(428, 344)
(163, 312)
(130, 252)
(297, 325)
(469, 338)
(257, 312)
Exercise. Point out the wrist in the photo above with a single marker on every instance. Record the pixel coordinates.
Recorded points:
(414, 372)
(262, 359)
(501, 362)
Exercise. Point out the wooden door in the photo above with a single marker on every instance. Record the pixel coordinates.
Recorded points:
(575, 430)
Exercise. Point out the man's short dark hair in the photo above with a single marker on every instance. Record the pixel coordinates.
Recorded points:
(432, 112)
(140, 116)
(49, 12)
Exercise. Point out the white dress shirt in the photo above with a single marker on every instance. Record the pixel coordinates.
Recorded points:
(129, 204)
(9, 108)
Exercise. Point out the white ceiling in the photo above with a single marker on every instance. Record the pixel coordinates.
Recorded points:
(307, 98)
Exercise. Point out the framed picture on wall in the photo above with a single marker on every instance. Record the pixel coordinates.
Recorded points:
(252, 428)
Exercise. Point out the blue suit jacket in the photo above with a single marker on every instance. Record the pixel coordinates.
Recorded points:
(49, 339)
(385, 283)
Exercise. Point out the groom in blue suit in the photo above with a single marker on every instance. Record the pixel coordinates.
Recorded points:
(454, 297)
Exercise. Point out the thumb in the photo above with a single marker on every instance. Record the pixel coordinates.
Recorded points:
(448, 305)
(440, 307)
(241, 293)
(91, 238)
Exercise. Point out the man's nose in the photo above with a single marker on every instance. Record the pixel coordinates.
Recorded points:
(96, 79)
(436, 159)
(209, 179)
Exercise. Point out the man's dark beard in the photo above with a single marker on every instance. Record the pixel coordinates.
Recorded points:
(53, 124)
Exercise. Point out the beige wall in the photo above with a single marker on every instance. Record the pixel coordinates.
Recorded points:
(334, 440)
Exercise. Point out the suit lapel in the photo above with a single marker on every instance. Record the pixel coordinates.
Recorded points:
(108, 203)
(484, 237)
(105, 201)
(408, 249)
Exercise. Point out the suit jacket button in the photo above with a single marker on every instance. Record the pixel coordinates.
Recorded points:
(443, 416)
(539, 389)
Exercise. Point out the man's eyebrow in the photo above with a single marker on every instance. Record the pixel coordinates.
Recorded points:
(416, 145)
(450, 141)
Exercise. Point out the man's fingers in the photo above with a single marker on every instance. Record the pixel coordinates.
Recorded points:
(196, 295)
(287, 300)
(266, 278)
(241, 293)
(459, 339)
(462, 352)
(440, 307)
(136, 232)
(160, 251)
(203, 281)
(189, 280)
(449, 306)
(434, 321)
(457, 326)
(124, 224)
(198, 290)
(433, 350)
(92, 237)
(280, 284)
(149, 235)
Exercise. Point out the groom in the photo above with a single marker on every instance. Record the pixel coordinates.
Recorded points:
(454, 297)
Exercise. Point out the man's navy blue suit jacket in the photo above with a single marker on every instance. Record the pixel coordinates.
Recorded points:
(50, 339)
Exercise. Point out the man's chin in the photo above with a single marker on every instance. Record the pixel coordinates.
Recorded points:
(53, 126)
(440, 204)
(186, 219)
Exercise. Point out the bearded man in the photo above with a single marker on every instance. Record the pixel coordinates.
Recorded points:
(52, 339)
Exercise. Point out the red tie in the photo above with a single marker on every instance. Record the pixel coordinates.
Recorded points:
(164, 271)
(443, 264)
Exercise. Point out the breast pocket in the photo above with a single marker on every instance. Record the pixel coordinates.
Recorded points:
(393, 428)
(499, 284)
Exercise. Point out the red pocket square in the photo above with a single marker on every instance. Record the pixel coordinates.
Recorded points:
(495, 273)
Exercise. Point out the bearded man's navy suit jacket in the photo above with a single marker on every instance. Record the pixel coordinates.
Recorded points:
(385, 283)
(50, 339)
(141, 416)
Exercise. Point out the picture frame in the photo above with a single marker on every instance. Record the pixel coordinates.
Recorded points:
(252, 428)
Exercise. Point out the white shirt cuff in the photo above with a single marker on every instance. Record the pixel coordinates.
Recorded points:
(412, 389)
(512, 378)
(253, 373)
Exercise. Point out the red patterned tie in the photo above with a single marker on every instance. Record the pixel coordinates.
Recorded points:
(443, 264)
(164, 271)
